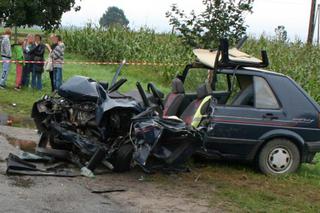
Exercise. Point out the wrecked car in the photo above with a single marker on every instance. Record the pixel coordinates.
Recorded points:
(259, 116)
(85, 116)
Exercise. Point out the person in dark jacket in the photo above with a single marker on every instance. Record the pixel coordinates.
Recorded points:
(37, 71)
(28, 56)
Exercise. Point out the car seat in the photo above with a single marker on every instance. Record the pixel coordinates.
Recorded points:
(245, 97)
(174, 99)
(203, 96)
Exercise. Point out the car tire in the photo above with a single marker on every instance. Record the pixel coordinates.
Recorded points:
(122, 159)
(279, 156)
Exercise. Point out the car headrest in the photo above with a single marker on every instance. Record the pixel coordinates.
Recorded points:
(203, 91)
(177, 86)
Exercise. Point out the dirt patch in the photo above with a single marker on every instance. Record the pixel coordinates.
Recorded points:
(155, 193)
(22, 144)
(22, 182)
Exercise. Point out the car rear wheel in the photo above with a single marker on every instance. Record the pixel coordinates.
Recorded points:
(279, 156)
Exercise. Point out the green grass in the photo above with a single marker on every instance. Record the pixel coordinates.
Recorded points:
(252, 192)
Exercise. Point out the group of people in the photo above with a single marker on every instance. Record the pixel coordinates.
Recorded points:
(29, 57)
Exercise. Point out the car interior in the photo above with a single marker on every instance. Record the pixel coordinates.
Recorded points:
(174, 101)
(232, 90)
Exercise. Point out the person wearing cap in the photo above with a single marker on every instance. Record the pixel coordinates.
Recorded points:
(6, 57)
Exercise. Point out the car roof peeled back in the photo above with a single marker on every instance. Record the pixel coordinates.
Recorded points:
(209, 57)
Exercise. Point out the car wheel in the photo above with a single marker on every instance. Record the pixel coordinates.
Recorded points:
(279, 156)
(122, 159)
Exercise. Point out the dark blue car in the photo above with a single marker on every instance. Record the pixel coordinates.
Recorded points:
(260, 116)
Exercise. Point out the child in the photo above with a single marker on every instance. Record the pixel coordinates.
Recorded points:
(17, 53)
(18, 56)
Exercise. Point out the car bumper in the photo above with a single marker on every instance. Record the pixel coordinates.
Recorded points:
(313, 147)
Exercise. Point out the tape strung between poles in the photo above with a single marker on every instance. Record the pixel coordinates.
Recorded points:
(97, 63)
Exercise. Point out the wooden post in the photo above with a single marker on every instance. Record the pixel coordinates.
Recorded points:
(311, 22)
(318, 17)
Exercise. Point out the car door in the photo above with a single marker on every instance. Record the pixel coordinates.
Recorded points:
(237, 126)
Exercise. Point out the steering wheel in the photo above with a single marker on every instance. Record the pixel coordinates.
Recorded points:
(156, 94)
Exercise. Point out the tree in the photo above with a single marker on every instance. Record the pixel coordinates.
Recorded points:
(114, 16)
(44, 13)
(281, 33)
(220, 19)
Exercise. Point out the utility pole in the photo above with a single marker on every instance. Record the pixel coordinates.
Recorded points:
(311, 22)
(318, 17)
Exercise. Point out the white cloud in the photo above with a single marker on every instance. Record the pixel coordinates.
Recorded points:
(268, 14)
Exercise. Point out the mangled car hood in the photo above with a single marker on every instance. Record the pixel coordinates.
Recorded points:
(81, 88)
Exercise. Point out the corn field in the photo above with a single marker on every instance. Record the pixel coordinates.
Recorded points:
(116, 44)
(296, 59)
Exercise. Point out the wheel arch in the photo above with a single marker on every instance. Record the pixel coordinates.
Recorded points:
(279, 133)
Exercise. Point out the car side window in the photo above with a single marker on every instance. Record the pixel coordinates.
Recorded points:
(264, 96)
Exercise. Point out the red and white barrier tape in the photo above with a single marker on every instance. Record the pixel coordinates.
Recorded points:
(97, 63)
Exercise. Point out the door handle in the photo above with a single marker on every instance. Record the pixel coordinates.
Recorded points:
(270, 116)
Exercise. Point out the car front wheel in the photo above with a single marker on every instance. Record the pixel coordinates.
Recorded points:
(279, 156)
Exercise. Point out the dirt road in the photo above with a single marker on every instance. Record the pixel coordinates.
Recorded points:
(51, 194)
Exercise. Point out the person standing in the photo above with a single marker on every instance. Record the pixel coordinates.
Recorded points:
(37, 71)
(50, 48)
(17, 54)
(29, 56)
(6, 57)
(57, 55)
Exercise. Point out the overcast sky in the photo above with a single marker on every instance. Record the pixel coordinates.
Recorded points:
(268, 14)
